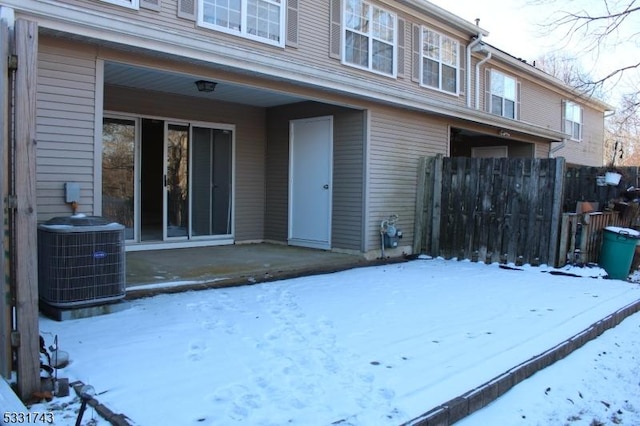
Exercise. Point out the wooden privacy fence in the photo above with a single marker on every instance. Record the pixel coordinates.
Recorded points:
(580, 185)
(490, 209)
(581, 235)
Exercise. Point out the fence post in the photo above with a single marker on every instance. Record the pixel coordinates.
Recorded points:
(419, 224)
(5, 304)
(556, 217)
(26, 241)
(563, 249)
(437, 205)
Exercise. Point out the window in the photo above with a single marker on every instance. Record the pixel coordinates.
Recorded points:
(369, 37)
(439, 65)
(573, 120)
(134, 4)
(261, 20)
(503, 95)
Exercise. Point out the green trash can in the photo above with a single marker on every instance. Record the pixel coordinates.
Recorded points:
(616, 253)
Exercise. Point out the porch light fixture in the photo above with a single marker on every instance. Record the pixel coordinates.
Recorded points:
(205, 86)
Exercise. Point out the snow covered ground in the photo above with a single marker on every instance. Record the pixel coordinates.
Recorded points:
(370, 346)
(599, 384)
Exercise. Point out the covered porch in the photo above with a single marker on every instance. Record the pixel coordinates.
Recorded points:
(246, 160)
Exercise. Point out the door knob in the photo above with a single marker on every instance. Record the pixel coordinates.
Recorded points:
(326, 186)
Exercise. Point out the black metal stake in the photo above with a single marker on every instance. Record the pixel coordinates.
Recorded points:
(83, 407)
(86, 393)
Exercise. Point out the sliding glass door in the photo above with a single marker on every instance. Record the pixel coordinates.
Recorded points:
(118, 172)
(167, 181)
(176, 183)
(211, 181)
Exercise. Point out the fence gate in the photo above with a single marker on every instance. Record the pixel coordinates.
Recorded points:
(490, 209)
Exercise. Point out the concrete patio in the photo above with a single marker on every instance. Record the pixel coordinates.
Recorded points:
(173, 270)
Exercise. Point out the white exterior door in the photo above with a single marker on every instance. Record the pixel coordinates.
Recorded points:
(310, 184)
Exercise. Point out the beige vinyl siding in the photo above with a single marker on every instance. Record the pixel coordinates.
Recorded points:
(313, 33)
(542, 150)
(541, 106)
(398, 139)
(593, 136)
(277, 173)
(536, 104)
(348, 180)
(588, 151)
(65, 128)
(249, 138)
(348, 174)
(313, 41)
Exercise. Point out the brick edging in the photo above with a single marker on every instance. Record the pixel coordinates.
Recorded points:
(457, 408)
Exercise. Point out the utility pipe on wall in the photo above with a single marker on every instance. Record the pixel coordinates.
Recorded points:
(478, 65)
(473, 44)
(557, 148)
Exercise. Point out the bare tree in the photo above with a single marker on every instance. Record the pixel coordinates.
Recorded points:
(588, 30)
(597, 27)
(622, 138)
(565, 67)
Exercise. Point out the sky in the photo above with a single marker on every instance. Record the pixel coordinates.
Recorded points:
(517, 27)
(511, 24)
(376, 345)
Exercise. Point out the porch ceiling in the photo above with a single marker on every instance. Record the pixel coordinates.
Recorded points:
(126, 75)
(495, 132)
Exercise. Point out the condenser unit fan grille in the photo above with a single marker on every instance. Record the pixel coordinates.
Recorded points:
(81, 265)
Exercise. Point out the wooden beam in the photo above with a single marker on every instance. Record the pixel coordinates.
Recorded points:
(5, 293)
(558, 197)
(563, 248)
(437, 205)
(428, 205)
(26, 238)
(419, 222)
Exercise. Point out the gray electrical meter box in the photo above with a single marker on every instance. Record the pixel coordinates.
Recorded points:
(72, 192)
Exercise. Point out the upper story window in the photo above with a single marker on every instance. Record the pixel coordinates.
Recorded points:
(573, 120)
(439, 64)
(261, 20)
(369, 37)
(503, 95)
(134, 4)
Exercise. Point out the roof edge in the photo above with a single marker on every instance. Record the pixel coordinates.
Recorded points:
(548, 78)
(446, 16)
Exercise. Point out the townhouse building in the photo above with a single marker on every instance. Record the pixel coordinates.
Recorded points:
(207, 122)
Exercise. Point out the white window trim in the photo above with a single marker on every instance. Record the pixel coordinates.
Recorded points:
(343, 41)
(515, 100)
(243, 31)
(439, 88)
(569, 131)
(131, 4)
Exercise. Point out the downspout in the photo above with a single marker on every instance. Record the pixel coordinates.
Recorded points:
(557, 148)
(473, 44)
(478, 65)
